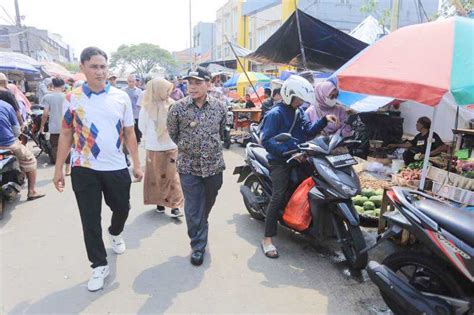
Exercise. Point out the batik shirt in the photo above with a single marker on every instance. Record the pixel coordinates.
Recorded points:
(198, 133)
(97, 120)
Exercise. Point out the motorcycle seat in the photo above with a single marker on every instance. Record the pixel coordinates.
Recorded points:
(261, 155)
(457, 221)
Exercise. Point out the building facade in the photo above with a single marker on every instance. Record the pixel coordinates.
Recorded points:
(345, 15)
(203, 41)
(229, 24)
(41, 45)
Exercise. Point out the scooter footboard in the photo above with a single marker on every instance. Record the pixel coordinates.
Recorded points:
(348, 213)
(400, 296)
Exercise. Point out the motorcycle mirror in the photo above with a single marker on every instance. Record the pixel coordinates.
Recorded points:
(282, 137)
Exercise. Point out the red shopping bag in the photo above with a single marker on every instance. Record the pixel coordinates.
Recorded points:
(297, 212)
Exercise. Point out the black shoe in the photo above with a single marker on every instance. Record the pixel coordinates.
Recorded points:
(197, 258)
(160, 209)
(176, 213)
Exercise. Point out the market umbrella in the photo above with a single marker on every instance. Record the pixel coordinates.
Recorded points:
(421, 62)
(56, 70)
(10, 61)
(429, 63)
(79, 76)
(239, 80)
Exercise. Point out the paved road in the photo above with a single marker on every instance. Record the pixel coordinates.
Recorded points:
(44, 268)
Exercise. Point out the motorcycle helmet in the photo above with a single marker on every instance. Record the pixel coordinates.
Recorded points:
(297, 86)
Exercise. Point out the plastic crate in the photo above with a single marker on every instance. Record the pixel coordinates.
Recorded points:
(455, 180)
(457, 194)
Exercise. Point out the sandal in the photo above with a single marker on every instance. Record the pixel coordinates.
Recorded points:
(35, 197)
(270, 250)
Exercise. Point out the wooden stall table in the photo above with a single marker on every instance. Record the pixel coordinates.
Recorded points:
(255, 115)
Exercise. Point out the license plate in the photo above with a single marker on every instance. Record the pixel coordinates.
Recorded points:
(341, 160)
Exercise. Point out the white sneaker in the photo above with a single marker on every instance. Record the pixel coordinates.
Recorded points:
(96, 282)
(118, 244)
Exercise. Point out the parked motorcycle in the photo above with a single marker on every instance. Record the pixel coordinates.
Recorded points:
(31, 132)
(255, 133)
(11, 178)
(439, 277)
(335, 183)
(229, 124)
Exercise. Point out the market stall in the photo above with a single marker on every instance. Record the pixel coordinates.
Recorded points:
(430, 64)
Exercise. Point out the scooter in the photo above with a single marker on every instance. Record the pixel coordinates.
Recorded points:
(335, 183)
(255, 132)
(437, 278)
(229, 124)
(11, 178)
(31, 132)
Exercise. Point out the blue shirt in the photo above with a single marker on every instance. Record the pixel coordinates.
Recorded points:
(279, 120)
(134, 95)
(183, 87)
(7, 121)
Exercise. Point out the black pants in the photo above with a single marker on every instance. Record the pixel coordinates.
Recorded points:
(88, 186)
(199, 197)
(280, 176)
(138, 134)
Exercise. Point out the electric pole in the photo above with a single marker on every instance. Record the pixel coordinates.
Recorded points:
(18, 24)
(191, 45)
(395, 15)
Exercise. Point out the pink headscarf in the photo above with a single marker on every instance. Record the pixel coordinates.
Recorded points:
(322, 90)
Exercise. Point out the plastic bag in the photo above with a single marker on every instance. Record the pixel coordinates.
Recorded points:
(297, 212)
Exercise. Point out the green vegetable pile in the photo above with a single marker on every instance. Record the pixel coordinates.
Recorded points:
(368, 202)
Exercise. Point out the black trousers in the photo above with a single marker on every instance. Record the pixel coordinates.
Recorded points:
(89, 186)
(280, 176)
(200, 194)
(138, 133)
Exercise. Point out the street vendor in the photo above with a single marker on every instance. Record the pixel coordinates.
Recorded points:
(326, 104)
(416, 148)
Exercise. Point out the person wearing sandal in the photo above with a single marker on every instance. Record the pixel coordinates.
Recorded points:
(161, 184)
(9, 132)
(197, 125)
(285, 117)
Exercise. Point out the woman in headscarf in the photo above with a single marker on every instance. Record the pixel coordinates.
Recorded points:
(326, 104)
(161, 186)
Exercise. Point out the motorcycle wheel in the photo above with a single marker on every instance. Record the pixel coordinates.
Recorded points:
(256, 188)
(426, 273)
(352, 243)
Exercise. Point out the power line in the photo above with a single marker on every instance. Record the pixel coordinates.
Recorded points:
(12, 21)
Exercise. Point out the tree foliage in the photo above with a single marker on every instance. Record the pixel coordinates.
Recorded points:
(371, 7)
(143, 58)
(73, 67)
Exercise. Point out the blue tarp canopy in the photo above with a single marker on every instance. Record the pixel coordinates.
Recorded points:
(11, 61)
(326, 48)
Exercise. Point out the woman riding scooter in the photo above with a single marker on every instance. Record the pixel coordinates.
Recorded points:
(285, 117)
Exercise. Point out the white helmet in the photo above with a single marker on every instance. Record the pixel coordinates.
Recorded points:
(300, 87)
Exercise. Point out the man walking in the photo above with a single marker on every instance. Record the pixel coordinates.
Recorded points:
(98, 117)
(134, 94)
(197, 124)
(54, 110)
